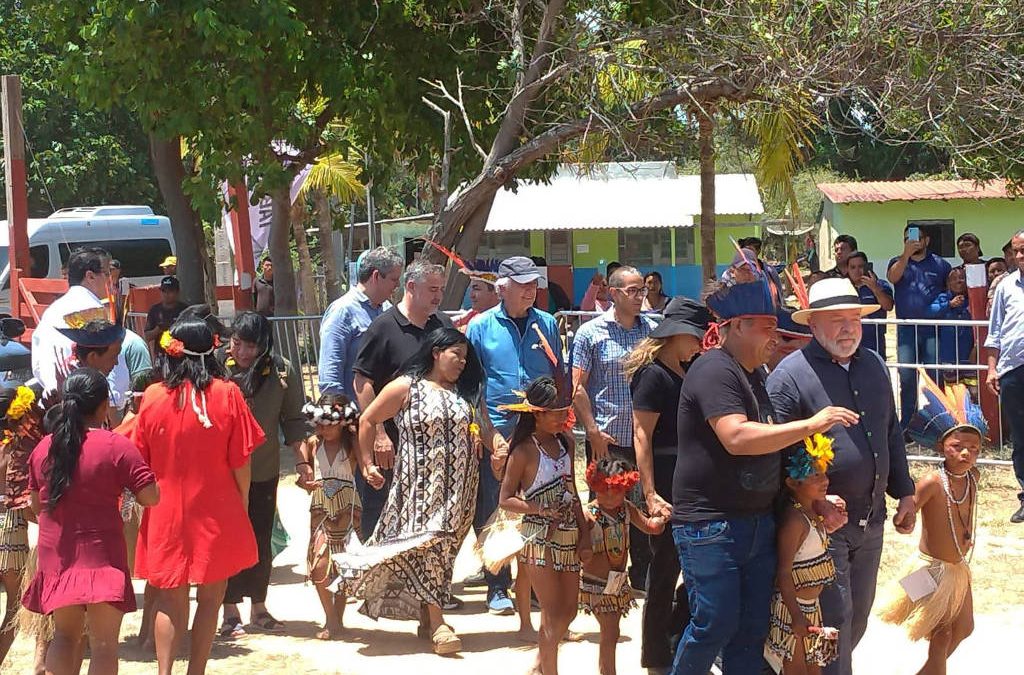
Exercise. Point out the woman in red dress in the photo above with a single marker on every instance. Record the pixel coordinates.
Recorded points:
(76, 477)
(197, 433)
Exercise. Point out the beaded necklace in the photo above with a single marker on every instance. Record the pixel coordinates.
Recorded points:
(972, 483)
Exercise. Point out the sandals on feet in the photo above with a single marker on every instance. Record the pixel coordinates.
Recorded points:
(232, 628)
(445, 640)
(264, 621)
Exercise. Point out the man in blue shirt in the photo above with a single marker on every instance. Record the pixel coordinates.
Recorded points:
(917, 276)
(872, 291)
(1006, 358)
(506, 340)
(348, 317)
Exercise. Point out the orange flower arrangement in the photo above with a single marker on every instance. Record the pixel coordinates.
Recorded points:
(599, 482)
(172, 345)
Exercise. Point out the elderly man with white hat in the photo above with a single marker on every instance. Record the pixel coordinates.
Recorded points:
(870, 458)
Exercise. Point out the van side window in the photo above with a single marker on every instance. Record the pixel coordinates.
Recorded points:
(139, 257)
(40, 255)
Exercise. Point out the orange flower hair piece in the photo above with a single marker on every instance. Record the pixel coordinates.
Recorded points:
(172, 345)
(599, 482)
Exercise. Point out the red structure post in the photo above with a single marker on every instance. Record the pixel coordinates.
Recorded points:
(17, 194)
(241, 229)
(977, 298)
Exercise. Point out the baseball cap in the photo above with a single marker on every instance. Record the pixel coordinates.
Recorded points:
(168, 261)
(521, 270)
(170, 284)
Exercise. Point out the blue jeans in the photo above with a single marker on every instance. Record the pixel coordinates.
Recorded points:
(487, 493)
(729, 569)
(1011, 394)
(846, 604)
(373, 501)
(914, 344)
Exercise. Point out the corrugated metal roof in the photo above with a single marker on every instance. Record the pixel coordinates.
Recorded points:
(908, 191)
(593, 202)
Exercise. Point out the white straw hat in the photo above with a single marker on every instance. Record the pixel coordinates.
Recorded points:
(831, 295)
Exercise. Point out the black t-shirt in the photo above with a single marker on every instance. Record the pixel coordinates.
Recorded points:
(163, 316)
(521, 322)
(387, 344)
(655, 388)
(709, 483)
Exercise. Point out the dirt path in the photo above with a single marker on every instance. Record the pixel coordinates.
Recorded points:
(490, 645)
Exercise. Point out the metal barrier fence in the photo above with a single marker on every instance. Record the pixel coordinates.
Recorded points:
(905, 343)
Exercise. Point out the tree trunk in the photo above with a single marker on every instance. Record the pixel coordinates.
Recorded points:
(189, 238)
(706, 139)
(306, 282)
(323, 219)
(280, 253)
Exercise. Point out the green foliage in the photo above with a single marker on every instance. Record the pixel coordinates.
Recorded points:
(79, 155)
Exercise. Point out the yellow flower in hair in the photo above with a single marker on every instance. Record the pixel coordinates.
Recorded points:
(21, 404)
(165, 340)
(819, 447)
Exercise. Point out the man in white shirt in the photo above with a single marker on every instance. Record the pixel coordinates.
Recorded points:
(89, 277)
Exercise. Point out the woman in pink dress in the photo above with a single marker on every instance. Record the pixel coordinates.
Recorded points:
(76, 477)
(197, 433)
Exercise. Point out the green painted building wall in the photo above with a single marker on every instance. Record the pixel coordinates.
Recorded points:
(878, 227)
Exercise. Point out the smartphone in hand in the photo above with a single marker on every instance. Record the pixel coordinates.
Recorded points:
(913, 234)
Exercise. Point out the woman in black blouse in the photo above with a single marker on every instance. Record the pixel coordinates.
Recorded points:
(655, 369)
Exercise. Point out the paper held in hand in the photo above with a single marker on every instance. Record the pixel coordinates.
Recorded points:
(919, 584)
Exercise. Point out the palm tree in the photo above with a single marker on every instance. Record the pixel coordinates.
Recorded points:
(331, 177)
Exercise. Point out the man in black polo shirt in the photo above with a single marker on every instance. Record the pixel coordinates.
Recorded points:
(389, 341)
(728, 474)
(870, 459)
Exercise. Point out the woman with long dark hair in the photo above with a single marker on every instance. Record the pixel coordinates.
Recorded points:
(76, 476)
(197, 433)
(405, 569)
(273, 392)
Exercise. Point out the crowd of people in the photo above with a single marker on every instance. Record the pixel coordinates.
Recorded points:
(738, 454)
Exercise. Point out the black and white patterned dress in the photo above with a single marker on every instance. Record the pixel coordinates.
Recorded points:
(410, 557)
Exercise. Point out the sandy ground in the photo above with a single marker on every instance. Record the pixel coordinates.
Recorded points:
(490, 644)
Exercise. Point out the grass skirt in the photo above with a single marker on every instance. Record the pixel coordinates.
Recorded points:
(593, 600)
(940, 608)
(819, 649)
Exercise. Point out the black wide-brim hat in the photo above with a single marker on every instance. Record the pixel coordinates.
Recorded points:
(104, 337)
(683, 316)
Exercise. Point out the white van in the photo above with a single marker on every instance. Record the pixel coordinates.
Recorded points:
(132, 234)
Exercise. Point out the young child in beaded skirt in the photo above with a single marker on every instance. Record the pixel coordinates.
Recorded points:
(604, 584)
(797, 642)
(334, 509)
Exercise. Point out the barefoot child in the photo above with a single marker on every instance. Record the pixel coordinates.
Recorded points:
(604, 586)
(797, 643)
(334, 509)
(539, 483)
(934, 599)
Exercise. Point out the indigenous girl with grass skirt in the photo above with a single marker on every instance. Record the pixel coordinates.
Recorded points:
(334, 509)
(540, 483)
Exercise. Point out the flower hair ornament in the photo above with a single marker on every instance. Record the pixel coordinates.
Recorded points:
(814, 457)
(600, 482)
(22, 403)
(328, 414)
(176, 348)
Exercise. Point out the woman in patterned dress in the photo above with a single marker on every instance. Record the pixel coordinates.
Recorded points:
(405, 569)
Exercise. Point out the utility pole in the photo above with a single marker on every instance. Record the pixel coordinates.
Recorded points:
(17, 194)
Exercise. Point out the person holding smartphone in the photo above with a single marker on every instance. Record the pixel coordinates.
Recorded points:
(872, 291)
(917, 276)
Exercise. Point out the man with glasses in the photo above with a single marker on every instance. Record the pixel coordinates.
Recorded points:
(602, 400)
(89, 281)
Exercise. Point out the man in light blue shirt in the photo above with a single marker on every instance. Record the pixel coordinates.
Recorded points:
(506, 340)
(1006, 358)
(348, 317)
